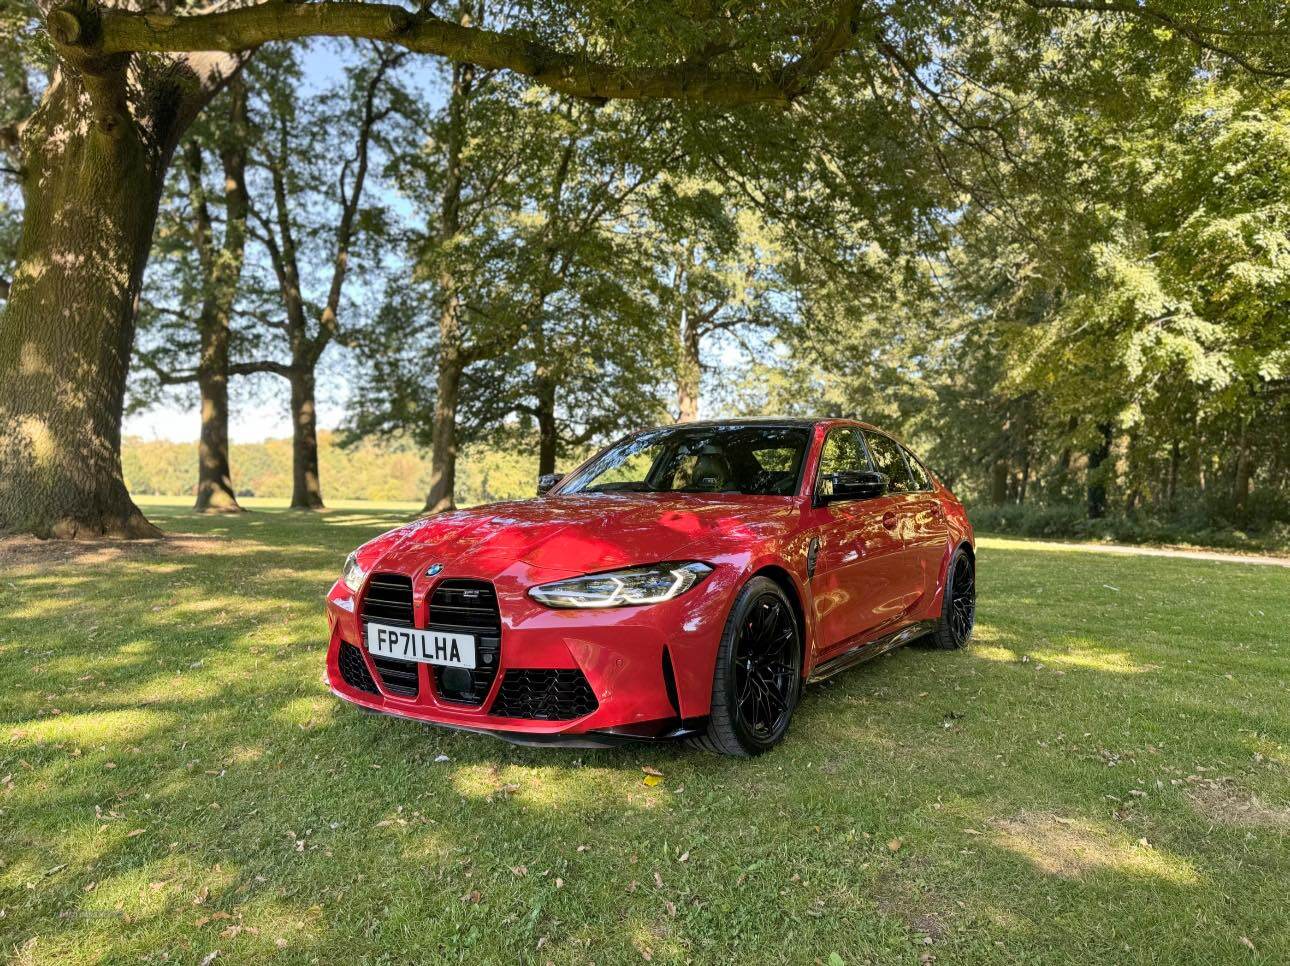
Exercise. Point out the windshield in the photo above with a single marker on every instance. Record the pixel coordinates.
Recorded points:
(752, 460)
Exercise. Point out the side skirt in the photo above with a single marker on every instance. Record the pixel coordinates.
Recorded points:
(867, 652)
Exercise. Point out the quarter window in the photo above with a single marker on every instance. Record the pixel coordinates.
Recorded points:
(921, 480)
(888, 459)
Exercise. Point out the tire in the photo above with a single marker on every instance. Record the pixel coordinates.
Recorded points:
(953, 628)
(766, 664)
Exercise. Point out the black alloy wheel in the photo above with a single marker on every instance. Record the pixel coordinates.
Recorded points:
(764, 668)
(758, 676)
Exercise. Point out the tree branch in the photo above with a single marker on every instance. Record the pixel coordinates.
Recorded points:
(1197, 33)
(265, 365)
(109, 32)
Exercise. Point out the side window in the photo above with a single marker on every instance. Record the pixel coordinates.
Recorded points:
(921, 480)
(843, 453)
(887, 459)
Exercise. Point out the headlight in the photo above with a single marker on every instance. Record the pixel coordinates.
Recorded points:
(623, 588)
(352, 573)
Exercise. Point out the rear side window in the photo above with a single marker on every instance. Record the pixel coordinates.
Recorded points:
(921, 480)
(888, 459)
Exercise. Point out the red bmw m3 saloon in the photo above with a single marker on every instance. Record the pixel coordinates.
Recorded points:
(685, 582)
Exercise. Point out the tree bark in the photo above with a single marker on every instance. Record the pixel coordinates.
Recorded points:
(452, 354)
(443, 455)
(547, 440)
(689, 368)
(223, 269)
(306, 491)
(91, 194)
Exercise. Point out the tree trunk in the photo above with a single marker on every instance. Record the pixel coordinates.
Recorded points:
(443, 456)
(90, 202)
(306, 491)
(689, 370)
(452, 356)
(223, 269)
(546, 426)
(1171, 485)
(1097, 460)
(999, 482)
(1244, 472)
(214, 476)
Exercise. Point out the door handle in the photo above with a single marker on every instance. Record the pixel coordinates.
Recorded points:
(889, 520)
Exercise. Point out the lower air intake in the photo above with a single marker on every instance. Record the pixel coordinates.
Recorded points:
(544, 694)
(353, 669)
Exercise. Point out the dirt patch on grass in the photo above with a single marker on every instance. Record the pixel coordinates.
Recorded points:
(32, 552)
(1224, 802)
(922, 910)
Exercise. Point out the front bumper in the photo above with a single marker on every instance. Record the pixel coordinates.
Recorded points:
(649, 668)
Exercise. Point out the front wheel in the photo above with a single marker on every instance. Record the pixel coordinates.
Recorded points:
(958, 607)
(758, 677)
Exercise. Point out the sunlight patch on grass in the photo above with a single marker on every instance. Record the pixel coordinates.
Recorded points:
(1091, 659)
(1072, 848)
(97, 728)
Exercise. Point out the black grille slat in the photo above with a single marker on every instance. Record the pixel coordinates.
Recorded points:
(388, 600)
(468, 607)
(400, 677)
(353, 669)
(544, 694)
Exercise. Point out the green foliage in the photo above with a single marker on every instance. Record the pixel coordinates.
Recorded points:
(370, 470)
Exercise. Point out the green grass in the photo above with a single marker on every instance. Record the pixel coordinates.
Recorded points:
(1101, 777)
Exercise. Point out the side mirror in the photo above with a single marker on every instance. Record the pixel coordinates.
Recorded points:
(851, 485)
(547, 482)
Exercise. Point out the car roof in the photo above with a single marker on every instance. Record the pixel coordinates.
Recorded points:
(803, 421)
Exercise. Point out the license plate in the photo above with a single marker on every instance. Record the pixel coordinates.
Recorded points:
(428, 647)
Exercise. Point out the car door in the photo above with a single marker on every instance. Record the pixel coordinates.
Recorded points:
(911, 513)
(929, 534)
(860, 566)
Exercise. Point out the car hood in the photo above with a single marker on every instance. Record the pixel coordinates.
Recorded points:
(582, 533)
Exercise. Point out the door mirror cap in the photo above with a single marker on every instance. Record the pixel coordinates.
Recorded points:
(548, 482)
(851, 485)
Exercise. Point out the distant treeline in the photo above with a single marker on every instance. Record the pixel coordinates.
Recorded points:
(364, 471)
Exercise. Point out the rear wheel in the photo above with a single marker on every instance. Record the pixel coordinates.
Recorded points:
(958, 608)
(758, 677)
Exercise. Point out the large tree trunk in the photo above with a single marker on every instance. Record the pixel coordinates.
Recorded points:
(90, 202)
(306, 491)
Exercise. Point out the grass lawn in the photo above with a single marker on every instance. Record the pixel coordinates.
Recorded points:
(1103, 776)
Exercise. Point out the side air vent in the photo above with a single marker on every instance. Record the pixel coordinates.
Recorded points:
(544, 694)
(467, 607)
(353, 670)
(388, 600)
